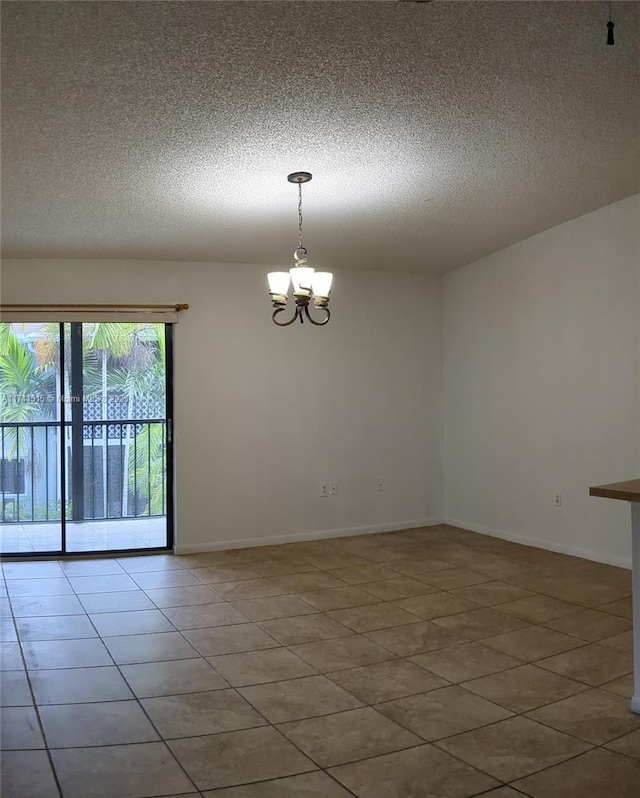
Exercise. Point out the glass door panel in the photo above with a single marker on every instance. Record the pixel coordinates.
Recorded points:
(85, 455)
(32, 491)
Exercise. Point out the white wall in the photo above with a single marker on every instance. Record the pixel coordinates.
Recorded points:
(263, 414)
(541, 385)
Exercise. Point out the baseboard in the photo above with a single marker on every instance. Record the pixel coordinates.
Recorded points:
(561, 548)
(217, 545)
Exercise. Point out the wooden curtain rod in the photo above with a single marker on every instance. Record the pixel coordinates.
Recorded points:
(96, 308)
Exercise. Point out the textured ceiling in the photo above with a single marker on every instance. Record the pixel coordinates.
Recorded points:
(436, 132)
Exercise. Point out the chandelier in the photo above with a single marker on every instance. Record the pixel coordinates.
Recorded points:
(308, 284)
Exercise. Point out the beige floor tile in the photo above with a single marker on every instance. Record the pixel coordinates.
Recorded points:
(11, 657)
(32, 570)
(309, 785)
(622, 686)
(53, 654)
(594, 716)
(610, 575)
(513, 748)
(621, 642)
(490, 593)
(282, 567)
(19, 728)
(124, 601)
(538, 609)
(150, 679)
(187, 596)
(55, 627)
(386, 681)
(150, 562)
(27, 773)
(629, 744)
(136, 622)
(586, 594)
(356, 574)
(229, 639)
(400, 587)
(24, 588)
(193, 714)
(241, 757)
(107, 723)
(523, 688)
(304, 629)
(464, 661)
(592, 664)
(423, 772)
(414, 638)
(420, 568)
(597, 774)
(532, 643)
(248, 589)
(341, 652)
(79, 685)
(452, 578)
(503, 792)
(332, 560)
(203, 616)
(298, 583)
(206, 559)
(442, 713)
(225, 573)
(32, 606)
(478, 624)
(136, 771)
(266, 609)
(150, 580)
(112, 583)
(347, 736)
(372, 616)
(296, 699)
(129, 649)
(14, 689)
(623, 608)
(590, 625)
(436, 605)
(337, 598)
(259, 667)
(100, 567)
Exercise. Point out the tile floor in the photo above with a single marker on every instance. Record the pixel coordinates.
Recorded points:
(429, 663)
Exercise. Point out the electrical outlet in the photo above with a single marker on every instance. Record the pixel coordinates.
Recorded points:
(324, 489)
(333, 488)
(380, 484)
(557, 499)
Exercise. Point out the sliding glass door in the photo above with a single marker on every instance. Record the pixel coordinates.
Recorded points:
(85, 437)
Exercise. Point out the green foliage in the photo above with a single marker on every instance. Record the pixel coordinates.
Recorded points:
(25, 390)
(147, 466)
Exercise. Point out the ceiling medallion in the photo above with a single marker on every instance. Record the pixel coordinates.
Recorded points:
(308, 284)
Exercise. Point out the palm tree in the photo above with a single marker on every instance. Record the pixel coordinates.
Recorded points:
(137, 355)
(26, 390)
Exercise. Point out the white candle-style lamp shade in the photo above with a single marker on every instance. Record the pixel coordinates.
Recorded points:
(321, 284)
(279, 283)
(302, 277)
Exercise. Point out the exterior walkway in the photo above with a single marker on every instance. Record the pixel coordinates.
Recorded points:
(125, 533)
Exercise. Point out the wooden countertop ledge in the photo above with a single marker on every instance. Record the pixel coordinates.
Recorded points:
(627, 491)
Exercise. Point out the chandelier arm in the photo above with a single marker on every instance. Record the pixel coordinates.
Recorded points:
(318, 323)
(284, 323)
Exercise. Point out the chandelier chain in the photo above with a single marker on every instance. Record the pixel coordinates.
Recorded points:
(300, 216)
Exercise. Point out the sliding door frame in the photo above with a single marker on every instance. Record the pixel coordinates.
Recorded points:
(62, 425)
